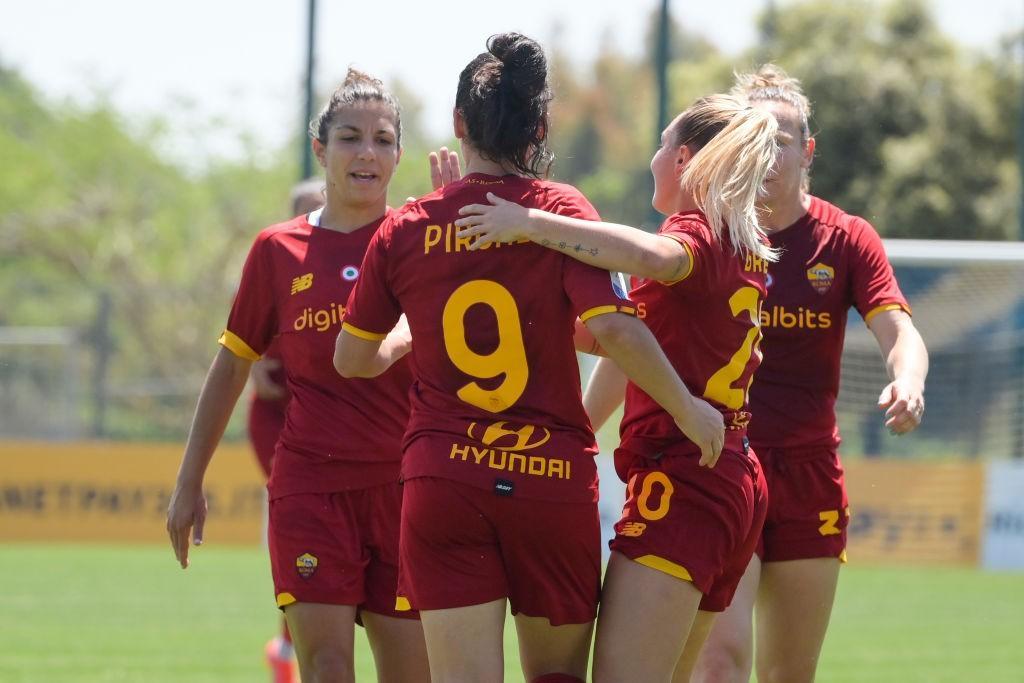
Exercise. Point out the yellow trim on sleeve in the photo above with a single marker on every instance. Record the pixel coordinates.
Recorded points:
(402, 604)
(628, 310)
(596, 311)
(362, 334)
(663, 565)
(842, 557)
(690, 263)
(881, 309)
(233, 343)
(285, 599)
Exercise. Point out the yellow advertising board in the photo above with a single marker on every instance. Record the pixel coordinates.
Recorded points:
(118, 492)
(915, 512)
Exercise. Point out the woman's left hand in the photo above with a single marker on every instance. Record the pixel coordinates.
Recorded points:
(903, 403)
(500, 221)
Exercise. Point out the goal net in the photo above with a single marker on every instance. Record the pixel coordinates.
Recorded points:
(968, 304)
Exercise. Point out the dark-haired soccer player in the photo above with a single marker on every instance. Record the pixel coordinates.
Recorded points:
(687, 532)
(500, 482)
(334, 493)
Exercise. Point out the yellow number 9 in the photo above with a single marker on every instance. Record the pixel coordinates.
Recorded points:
(508, 359)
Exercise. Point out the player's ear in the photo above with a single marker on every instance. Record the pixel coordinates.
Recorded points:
(683, 156)
(458, 124)
(319, 151)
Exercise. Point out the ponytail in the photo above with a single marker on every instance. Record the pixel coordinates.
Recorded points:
(736, 148)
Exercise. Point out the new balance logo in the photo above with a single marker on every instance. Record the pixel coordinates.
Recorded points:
(632, 529)
(302, 283)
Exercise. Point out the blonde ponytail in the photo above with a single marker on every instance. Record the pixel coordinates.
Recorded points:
(736, 149)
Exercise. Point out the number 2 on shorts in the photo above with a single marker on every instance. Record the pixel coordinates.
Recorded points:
(508, 359)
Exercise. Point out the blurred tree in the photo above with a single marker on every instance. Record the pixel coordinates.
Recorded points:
(87, 208)
(913, 132)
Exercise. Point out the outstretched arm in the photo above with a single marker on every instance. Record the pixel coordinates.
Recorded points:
(606, 245)
(906, 361)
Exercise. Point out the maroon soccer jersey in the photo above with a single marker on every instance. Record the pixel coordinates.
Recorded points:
(707, 324)
(497, 387)
(830, 261)
(339, 434)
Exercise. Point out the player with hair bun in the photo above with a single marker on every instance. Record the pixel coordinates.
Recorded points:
(500, 482)
(334, 493)
(829, 261)
(687, 530)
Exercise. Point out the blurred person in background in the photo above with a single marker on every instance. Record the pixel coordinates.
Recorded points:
(335, 498)
(500, 483)
(266, 420)
(687, 531)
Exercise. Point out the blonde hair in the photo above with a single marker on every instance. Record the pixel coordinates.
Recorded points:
(770, 83)
(735, 148)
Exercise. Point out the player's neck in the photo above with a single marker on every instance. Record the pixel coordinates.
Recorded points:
(477, 164)
(779, 216)
(347, 217)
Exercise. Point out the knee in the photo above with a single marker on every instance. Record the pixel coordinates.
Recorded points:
(724, 662)
(327, 666)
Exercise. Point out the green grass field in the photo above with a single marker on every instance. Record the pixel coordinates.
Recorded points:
(92, 613)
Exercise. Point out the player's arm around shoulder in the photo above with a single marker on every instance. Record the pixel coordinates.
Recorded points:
(906, 361)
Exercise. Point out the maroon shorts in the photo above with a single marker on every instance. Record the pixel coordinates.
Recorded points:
(808, 511)
(695, 523)
(337, 548)
(464, 546)
(266, 420)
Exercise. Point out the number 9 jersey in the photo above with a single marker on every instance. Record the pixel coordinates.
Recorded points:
(708, 324)
(497, 389)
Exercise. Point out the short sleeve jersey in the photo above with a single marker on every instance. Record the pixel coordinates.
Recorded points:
(829, 262)
(497, 387)
(707, 324)
(339, 434)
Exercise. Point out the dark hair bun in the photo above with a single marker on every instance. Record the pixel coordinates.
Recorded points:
(524, 66)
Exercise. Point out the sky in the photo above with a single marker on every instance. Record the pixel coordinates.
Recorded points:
(243, 60)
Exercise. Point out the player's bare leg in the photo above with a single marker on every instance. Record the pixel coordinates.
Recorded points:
(645, 619)
(794, 604)
(546, 649)
(399, 649)
(324, 641)
(465, 644)
(728, 654)
(703, 624)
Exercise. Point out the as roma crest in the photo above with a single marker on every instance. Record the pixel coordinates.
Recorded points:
(305, 565)
(821, 276)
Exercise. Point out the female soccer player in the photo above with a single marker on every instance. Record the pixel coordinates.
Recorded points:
(830, 261)
(266, 420)
(500, 482)
(334, 493)
(687, 532)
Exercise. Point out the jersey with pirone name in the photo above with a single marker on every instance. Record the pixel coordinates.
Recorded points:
(339, 434)
(830, 261)
(497, 387)
(707, 324)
